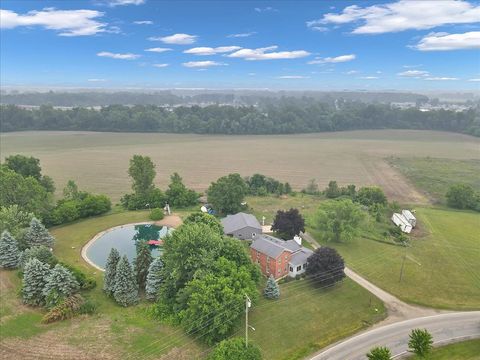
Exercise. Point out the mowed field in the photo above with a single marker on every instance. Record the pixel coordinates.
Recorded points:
(98, 162)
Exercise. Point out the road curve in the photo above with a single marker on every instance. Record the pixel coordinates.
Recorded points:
(444, 328)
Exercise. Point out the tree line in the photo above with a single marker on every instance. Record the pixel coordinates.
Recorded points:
(290, 116)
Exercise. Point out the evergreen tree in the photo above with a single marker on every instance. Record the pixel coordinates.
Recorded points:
(125, 289)
(154, 279)
(38, 235)
(272, 290)
(41, 253)
(9, 253)
(60, 284)
(34, 279)
(110, 271)
(142, 263)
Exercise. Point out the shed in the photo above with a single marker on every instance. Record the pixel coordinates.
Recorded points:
(402, 223)
(407, 214)
(242, 226)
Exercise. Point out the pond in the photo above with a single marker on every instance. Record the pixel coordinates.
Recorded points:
(124, 239)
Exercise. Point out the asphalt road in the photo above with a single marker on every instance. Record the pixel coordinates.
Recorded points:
(450, 327)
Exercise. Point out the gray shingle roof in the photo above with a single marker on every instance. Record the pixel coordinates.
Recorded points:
(273, 247)
(239, 221)
(300, 257)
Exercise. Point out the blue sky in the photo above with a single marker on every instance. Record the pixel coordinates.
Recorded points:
(376, 45)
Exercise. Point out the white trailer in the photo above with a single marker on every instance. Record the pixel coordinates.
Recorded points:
(407, 214)
(402, 223)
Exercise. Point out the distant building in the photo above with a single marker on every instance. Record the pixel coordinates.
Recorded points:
(407, 214)
(242, 226)
(278, 257)
(402, 223)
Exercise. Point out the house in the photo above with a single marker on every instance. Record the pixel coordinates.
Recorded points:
(242, 226)
(407, 214)
(278, 257)
(402, 223)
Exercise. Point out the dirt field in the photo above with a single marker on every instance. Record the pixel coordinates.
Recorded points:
(99, 161)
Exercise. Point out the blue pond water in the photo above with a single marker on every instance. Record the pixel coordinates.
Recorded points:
(124, 240)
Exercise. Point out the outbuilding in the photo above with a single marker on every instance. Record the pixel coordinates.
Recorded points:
(242, 226)
(402, 223)
(407, 214)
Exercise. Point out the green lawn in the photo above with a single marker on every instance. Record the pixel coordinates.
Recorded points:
(441, 267)
(467, 350)
(434, 176)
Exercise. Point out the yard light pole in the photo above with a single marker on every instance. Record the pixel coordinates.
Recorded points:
(248, 304)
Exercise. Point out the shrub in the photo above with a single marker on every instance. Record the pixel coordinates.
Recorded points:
(85, 282)
(156, 214)
(41, 253)
(88, 308)
(235, 349)
(66, 309)
(272, 290)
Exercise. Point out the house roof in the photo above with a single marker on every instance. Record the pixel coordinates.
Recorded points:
(273, 247)
(300, 257)
(239, 221)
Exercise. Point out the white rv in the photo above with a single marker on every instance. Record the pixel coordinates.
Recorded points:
(410, 217)
(402, 223)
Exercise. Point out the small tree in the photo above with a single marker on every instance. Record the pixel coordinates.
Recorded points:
(9, 253)
(110, 271)
(235, 349)
(332, 191)
(125, 290)
(370, 196)
(461, 196)
(312, 187)
(288, 223)
(272, 290)
(154, 279)
(379, 353)
(60, 284)
(41, 253)
(142, 262)
(420, 342)
(326, 266)
(34, 279)
(38, 235)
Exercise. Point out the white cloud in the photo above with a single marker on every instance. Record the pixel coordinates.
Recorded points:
(293, 77)
(127, 56)
(143, 22)
(202, 64)
(319, 28)
(242, 35)
(97, 80)
(265, 9)
(66, 22)
(414, 73)
(333, 60)
(403, 15)
(114, 3)
(445, 41)
(211, 51)
(267, 53)
(441, 78)
(474, 79)
(368, 77)
(160, 65)
(351, 72)
(178, 39)
(158, 49)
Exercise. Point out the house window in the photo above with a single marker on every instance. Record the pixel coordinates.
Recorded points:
(299, 268)
(291, 269)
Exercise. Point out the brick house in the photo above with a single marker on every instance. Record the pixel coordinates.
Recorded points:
(278, 257)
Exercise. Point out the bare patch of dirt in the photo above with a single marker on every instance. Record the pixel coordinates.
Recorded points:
(170, 221)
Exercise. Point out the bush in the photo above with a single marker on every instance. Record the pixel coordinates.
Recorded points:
(156, 214)
(41, 253)
(153, 199)
(85, 282)
(88, 308)
(66, 309)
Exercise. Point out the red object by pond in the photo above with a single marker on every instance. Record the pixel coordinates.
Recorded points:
(155, 242)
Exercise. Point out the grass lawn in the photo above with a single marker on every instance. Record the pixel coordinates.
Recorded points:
(441, 267)
(467, 350)
(306, 318)
(434, 176)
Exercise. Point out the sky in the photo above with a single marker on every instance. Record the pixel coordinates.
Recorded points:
(297, 45)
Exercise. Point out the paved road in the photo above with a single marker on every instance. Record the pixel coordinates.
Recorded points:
(444, 328)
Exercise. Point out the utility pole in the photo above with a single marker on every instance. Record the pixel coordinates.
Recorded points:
(248, 304)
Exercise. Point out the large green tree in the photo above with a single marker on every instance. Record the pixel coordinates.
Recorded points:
(35, 275)
(9, 252)
(207, 219)
(154, 279)
(338, 220)
(37, 235)
(142, 172)
(110, 271)
(60, 284)
(288, 223)
(24, 165)
(177, 193)
(370, 196)
(142, 262)
(15, 220)
(227, 194)
(235, 349)
(326, 266)
(126, 289)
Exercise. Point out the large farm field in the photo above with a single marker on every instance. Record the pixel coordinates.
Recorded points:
(98, 162)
